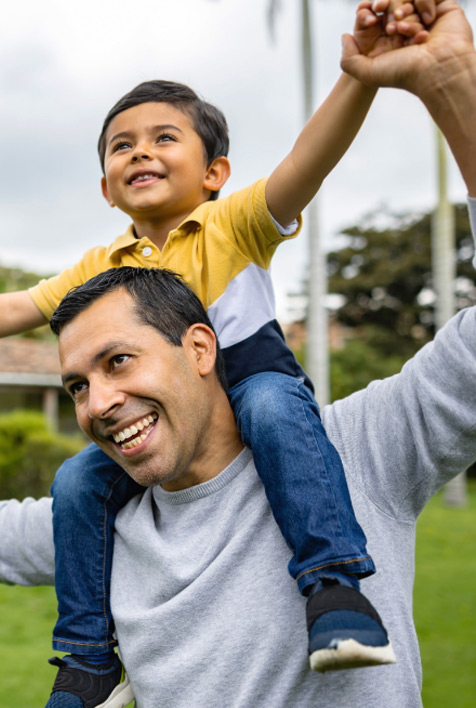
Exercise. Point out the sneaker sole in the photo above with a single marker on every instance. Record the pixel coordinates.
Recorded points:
(121, 696)
(349, 654)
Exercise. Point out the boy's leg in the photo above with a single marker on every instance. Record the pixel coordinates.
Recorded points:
(88, 491)
(306, 487)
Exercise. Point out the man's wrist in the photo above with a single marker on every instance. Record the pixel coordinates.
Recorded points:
(451, 101)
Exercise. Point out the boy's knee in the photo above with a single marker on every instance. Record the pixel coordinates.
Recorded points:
(270, 398)
(82, 474)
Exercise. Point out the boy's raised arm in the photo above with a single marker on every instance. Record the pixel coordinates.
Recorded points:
(18, 313)
(332, 128)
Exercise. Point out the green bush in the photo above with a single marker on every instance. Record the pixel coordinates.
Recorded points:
(30, 454)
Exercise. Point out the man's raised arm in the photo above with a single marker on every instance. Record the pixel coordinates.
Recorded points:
(441, 72)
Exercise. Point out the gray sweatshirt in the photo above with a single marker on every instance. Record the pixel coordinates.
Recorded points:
(206, 613)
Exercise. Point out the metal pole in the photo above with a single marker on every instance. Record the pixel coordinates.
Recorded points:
(444, 275)
(317, 360)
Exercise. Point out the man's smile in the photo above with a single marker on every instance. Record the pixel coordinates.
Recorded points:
(135, 434)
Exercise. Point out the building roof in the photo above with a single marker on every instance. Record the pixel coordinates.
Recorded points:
(29, 362)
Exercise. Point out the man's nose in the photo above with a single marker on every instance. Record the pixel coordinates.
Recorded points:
(104, 399)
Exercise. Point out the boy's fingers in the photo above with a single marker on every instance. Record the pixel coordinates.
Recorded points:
(426, 9)
(365, 18)
(404, 11)
(418, 38)
(410, 27)
(380, 5)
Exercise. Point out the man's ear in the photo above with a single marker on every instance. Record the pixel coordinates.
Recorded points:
(105, 192)
(201, 345)
(217, 174)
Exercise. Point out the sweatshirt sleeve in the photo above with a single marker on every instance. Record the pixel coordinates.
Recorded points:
(26, 542)
(402, 438)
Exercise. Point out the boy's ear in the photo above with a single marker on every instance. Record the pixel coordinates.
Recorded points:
(217, 174)
(105, 192)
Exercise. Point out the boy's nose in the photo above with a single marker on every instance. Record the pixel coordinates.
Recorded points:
(142, 151)
(140, 156)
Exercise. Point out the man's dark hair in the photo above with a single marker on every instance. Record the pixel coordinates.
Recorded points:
(208, 121)
(161, 298)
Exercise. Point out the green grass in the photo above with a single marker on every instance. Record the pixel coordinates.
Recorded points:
(445, 603)
(27, 619)
(445, 613)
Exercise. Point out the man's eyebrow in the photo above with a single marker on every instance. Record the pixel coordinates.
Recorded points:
(95, 360)
(128, 133)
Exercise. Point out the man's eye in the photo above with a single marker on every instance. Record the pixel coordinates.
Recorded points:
(76, 388)
(118, 360)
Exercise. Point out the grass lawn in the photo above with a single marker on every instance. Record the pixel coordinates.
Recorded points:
(445, 603)
(445, 612)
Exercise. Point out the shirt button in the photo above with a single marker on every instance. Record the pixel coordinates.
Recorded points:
(147, 251)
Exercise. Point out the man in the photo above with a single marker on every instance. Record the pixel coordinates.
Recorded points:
(204, 609)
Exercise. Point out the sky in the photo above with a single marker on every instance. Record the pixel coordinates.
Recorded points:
(63, 65)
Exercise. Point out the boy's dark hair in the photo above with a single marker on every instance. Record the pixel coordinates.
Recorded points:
(162, 301)
(208, 121)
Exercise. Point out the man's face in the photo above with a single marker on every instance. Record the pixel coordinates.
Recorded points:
(140, 398)
(154, 165)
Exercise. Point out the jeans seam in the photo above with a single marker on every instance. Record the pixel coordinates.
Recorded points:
(330, 565)
(104, 594)
(83, 644)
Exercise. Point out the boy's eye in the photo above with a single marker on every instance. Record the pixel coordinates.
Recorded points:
(120, 146)
(165, 138)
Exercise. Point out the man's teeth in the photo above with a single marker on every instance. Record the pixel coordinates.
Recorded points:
(134, 430)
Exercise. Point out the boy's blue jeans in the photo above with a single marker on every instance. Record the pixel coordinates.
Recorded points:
(303, 477)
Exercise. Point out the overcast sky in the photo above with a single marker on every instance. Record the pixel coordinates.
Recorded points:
(62, 66)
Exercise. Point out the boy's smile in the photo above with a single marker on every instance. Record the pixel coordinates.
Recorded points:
(155, 167)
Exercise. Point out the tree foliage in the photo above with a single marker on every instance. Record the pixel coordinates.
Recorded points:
(384, 275)
(13, 279)
(30, 454)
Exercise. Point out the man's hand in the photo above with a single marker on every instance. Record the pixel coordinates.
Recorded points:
(418, 67)
(441, 72)
(384, 25)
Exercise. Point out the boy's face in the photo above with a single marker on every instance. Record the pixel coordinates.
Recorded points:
(155, 166)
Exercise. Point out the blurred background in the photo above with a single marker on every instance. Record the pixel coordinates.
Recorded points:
(62, 66)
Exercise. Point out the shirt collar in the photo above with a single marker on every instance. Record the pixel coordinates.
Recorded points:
(193, 222)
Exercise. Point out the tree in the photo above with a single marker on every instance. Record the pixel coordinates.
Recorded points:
(384, 276)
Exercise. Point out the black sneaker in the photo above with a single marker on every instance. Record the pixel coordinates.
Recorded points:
(82, 685)
(345, 631)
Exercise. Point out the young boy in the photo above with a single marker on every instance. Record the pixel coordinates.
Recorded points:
(163, 152)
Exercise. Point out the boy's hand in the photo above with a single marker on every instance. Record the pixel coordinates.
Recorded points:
(384, 25)
(426, 9)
